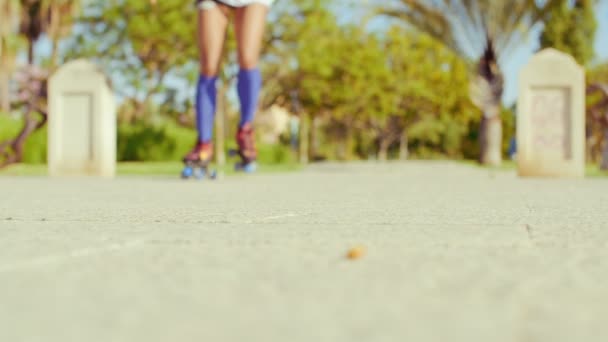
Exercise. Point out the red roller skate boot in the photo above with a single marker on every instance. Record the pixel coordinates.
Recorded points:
(245, 140)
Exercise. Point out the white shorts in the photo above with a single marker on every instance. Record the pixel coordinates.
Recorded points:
(207, 4)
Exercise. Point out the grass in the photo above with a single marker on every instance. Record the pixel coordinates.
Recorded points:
(591, 170)
(143, 169)
(174, 169)
(24, 170)
(594, 171)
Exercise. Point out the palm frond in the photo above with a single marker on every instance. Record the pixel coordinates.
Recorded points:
(465, 26)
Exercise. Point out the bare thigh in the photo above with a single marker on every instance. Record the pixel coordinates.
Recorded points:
(212, 24)
(250, 22)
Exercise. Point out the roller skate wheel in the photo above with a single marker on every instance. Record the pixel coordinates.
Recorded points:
(250, 168)
(187, 172)
(199, 174)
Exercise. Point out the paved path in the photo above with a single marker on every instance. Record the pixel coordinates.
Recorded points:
(454, 253)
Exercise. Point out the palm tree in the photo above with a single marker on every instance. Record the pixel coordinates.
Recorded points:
(61, 16)
(32, 24)
(477, 30)
(53, 17)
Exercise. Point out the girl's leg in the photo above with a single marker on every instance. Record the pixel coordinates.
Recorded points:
(250, 22)
(212, 23)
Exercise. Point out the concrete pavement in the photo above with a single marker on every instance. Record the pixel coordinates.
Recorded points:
(453, 253)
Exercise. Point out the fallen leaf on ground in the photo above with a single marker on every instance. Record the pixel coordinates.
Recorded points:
(356, 252)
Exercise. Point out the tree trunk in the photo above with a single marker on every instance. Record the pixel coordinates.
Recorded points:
(490, 139)
(312, 142)
(53, 32)
(344, 147)
(30, 52)
(486, 93)
(304, 122)
(54, 54)
(341, 147)
(5, 94)
(404, 152)
(604, 164)
(15, 154)
(220, 127)
(383, 145)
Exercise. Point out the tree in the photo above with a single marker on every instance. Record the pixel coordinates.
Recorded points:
(571, 27)
(9, 41)
(433, 109)
(31, 98)
(597, 122)
(141, 42)
(37, 17)
(597, 115)
(301, 63)
(53, 18)
(368, 92)
(32, 24)
(61, 17)
(482, 30)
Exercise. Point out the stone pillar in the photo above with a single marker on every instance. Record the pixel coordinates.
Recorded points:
(551, 117)
(81, 123)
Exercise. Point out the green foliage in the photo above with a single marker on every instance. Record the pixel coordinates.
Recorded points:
(153, 142)
(35, 146)
(365, 88)
(598, 74)
(508, 126)
(571, 28)
(597, 112)
(138, 142)
(35, 150)
(429, 86)
(275, 154)
(140, 44)
(8, 127)
(166, 141)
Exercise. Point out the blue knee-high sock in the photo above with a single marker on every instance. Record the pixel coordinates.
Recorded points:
(206, 95)
(249, 83)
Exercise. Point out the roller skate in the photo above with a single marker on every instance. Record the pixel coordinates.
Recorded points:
(246, 150)
(197, 162)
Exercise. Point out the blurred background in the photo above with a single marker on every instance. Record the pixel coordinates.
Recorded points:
(343, 80)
